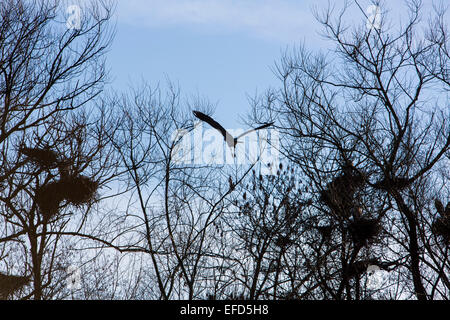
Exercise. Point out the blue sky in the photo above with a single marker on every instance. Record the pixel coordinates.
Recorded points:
(222, 50)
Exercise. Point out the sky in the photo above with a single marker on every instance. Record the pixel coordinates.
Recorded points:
(221, 50)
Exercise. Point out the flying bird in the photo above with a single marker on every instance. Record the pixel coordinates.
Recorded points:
(229, 139)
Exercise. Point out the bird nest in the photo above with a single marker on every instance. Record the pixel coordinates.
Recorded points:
(43, 157)
(76, 190)
(363, 230)
(338, 194)
(79, 190)
(9, 284)
(48, 198)
(339, 203)
(392, 183)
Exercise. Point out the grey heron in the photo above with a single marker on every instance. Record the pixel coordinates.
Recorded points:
(229, 139)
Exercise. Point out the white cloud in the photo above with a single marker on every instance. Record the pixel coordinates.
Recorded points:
(275, 19)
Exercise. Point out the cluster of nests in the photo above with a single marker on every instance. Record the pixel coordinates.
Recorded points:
(338, 196)
(339, 193)
(10, 283)
(77, 190)
(441, 226)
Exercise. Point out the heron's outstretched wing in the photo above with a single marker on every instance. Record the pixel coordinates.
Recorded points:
(254, 129)
(213, 123)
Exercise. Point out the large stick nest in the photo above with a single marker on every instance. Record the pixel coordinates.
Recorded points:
(76, 190)
(387, 183)
(48, 198)
(79, 190)
(339, 193)
(363, 230)
(45, 158)
(10, 283)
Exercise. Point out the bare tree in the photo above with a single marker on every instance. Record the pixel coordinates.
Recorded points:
(266, 230)
(173, 206)
(377, 103)
(53, 155)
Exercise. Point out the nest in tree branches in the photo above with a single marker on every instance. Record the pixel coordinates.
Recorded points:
(363, 230)
(76, 190)
(339, 203)
(338, 195)
(392, 184)
(48, 198)
(79, 190)
(9, 284)
(45, 158)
